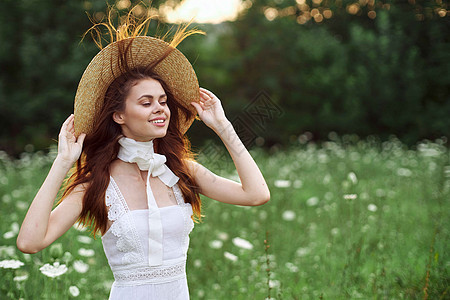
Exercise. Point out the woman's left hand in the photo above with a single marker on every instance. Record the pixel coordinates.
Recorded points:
(210, 110)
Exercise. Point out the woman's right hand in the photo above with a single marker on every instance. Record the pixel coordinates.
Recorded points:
(69, 147)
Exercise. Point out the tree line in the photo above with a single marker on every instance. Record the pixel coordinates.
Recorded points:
(282, 68)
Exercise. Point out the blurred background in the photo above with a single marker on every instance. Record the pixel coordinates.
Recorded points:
(366, 67)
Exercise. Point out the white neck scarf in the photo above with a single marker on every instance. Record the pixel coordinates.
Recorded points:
(143, 154)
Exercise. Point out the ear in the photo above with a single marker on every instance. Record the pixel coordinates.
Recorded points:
(118, 118)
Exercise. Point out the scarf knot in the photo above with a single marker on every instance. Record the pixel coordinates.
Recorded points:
(143, 154)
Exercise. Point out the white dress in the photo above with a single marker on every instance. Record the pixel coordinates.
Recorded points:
(126, 248)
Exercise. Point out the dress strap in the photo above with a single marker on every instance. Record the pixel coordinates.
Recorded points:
(178, 194)
(114, 199)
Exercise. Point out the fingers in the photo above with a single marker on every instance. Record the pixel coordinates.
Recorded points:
(205, 91)
(80, 139)
(197, 106)
(71, 127)
(66, 123)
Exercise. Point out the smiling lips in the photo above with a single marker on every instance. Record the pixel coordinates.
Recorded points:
(160, 122)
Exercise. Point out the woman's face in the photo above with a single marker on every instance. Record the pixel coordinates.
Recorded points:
(146, 114)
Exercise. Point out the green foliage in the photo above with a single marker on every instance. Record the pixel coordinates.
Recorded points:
(349, 219)
(350, 73)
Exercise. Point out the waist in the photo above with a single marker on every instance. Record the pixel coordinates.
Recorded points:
(137, 275)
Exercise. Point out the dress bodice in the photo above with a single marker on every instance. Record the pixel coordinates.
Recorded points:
(126, 241)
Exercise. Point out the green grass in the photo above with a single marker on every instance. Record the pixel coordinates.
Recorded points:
(390, 242)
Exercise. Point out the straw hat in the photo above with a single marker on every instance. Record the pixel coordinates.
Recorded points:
(175, 70)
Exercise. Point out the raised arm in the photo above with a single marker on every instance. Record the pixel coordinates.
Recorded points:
(41, 225)
(253, 189)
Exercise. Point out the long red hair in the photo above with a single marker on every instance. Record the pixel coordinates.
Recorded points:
(100, 148)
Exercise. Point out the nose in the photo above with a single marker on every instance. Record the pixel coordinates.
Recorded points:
(158, 107)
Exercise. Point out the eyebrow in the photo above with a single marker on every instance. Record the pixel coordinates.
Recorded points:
(151, 97)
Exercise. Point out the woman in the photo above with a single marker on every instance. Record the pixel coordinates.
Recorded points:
(135, 180)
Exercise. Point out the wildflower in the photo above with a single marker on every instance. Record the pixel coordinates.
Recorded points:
(67, 257)
(4, 180)
(365, 228)
(74, 291)
(107, 284)
(197, 263)
(54, 270)
(352, 177)
(9, 235)
(404, 172)
(274, 283)
(241, 243)
(223, 236)
(7, 251)
(84, 239)
(350, 196)
(298, 184)
(302, 251)
(335, 231)
(372, 207)
(293, 268)
(313, 201)
(16, 193)
(80, 266)
(230, 256)
(11, 264)
(282, 183)
(6, 198)
(15, 227)
(288, 215)
(380, 193)
(86, 252)
(263, 215)
(21, 205)
(216, 244)
(326, 179)
(21, 278)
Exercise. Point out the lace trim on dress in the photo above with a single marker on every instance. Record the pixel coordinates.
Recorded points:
(122, 227)
(187, 213)
(145, 275)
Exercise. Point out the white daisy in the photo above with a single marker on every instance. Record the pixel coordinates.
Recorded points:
(11, 264)
(282, 183)
(230, 256)
(223, 236)
(84, 239)
(352, 177)
(313, 201)
(241, 243)
(350, 196)
(54, 270)
(288, 215)
(20, 278)
(372, 207)
(86, 252)
(74, 291)
(216, 244)
(80, 266)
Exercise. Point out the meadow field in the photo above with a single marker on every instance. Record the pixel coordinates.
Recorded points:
(347, 219)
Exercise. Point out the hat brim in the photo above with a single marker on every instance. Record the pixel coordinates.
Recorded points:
(175, 70)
